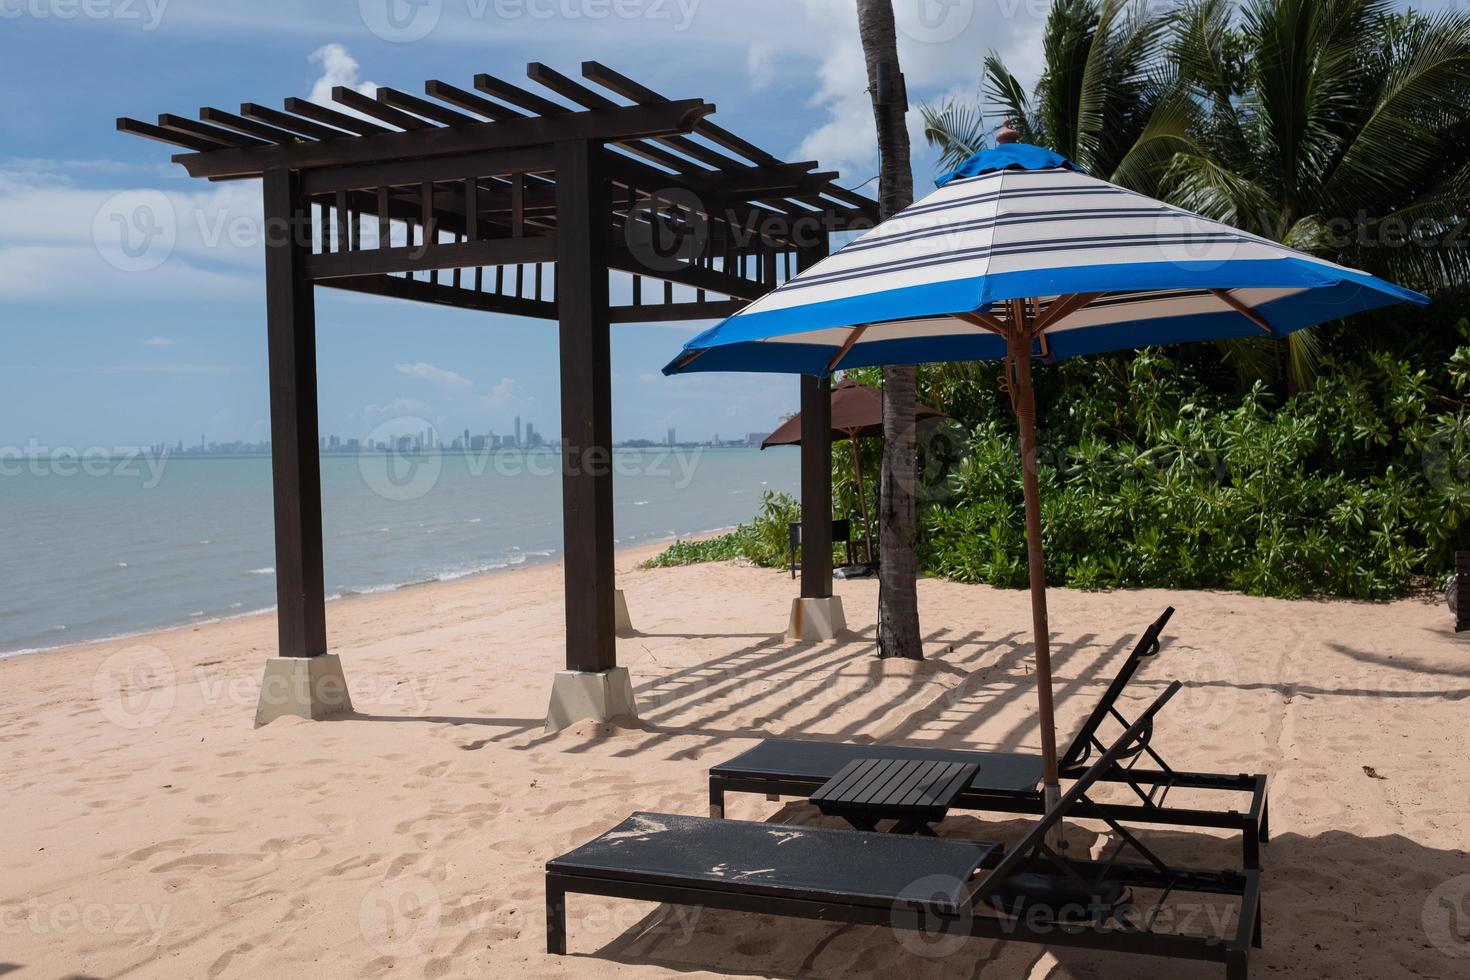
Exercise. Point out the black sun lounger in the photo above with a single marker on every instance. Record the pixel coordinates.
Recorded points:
(1008, 782)
(954, 888)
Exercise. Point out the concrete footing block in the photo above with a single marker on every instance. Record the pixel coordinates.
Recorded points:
(304, 687)
(599, 695)
(813, 620)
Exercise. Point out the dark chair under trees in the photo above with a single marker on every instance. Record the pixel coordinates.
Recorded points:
(841, 532)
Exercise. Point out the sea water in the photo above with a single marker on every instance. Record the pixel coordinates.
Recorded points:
(123, 546)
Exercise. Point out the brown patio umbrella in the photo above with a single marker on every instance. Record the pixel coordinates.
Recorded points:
(857, 411)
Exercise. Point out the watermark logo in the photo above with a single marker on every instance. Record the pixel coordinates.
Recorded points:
(920, 926)
(933, 21)
(135, 231)
(667, 230)
(400, 21)
(1446, 917)
(401, 916)
(1181, 241)
(135, 687)
(399, 460)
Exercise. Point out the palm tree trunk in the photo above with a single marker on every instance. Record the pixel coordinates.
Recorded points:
(898, 602)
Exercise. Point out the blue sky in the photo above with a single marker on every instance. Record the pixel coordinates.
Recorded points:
(97, 355)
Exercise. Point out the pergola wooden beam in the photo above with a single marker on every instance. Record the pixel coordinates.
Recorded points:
(473, 195)
(419, 291)
(608, 125)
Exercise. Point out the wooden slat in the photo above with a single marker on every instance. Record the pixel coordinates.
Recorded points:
(670, 312)
(224, 137)
(295, 124)
(445, 255)
(688, 274)
(634, 122)
(404, 172)
(252, 127)
(517, 96)
(633, 91)
(136, 127)
(418, 291)
(423, 107)
(341, 120)
(354, 99)
(454, 95)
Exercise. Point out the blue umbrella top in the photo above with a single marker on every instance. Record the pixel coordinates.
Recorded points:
(1020, 236)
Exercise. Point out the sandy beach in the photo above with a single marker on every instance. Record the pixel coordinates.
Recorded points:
(150, 831)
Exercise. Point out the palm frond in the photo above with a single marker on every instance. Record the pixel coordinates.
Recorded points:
(1005, 89)
(955, 129)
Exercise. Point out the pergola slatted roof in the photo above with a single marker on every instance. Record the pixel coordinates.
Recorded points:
(519, 200)
(707, 152)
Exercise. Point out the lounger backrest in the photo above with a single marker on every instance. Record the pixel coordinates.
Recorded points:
(1021, 853)
(1148, 644)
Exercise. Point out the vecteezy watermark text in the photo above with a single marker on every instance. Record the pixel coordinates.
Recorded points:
(146, 13)
(123, 462)
(404, 21)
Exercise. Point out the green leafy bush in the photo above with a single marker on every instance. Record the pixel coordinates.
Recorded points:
(1159, 469)
(762, 542)
(1152, 475)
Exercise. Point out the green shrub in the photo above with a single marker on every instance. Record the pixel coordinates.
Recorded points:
(1158, 469)
(764, 541)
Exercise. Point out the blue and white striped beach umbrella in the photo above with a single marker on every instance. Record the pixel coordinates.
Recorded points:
(1100, 268)
(1020, 255)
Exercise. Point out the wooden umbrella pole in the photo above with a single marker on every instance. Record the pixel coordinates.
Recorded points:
(857, 470)
(1018, 343)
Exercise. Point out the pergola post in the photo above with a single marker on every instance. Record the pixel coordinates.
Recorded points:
(303, 680)
(593, 685)
(457, 199)
(816, 614)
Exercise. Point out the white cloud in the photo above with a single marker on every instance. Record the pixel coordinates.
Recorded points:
(760, 64)
(424, 371)
(338, 68)
(157, 342)
(506, 390)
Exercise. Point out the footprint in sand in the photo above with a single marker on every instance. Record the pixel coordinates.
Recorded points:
(143, 854)
(217, 865)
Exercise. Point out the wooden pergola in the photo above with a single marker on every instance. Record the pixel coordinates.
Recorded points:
(509, 199)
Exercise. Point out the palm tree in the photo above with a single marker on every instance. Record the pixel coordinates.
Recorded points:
(898, 571)
(1339, 127)
(1105, 98)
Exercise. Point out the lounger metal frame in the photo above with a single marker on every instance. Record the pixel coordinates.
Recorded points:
(983, 917)
(1151, 785)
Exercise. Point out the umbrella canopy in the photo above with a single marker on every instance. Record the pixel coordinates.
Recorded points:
(1021, 254)
(857, 411)
(1102, 268)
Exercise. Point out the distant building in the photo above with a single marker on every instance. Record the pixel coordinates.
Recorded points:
(518, 432)
(672, 441)
(755, 438)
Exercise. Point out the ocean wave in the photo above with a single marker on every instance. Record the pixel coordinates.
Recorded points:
(268, 570)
